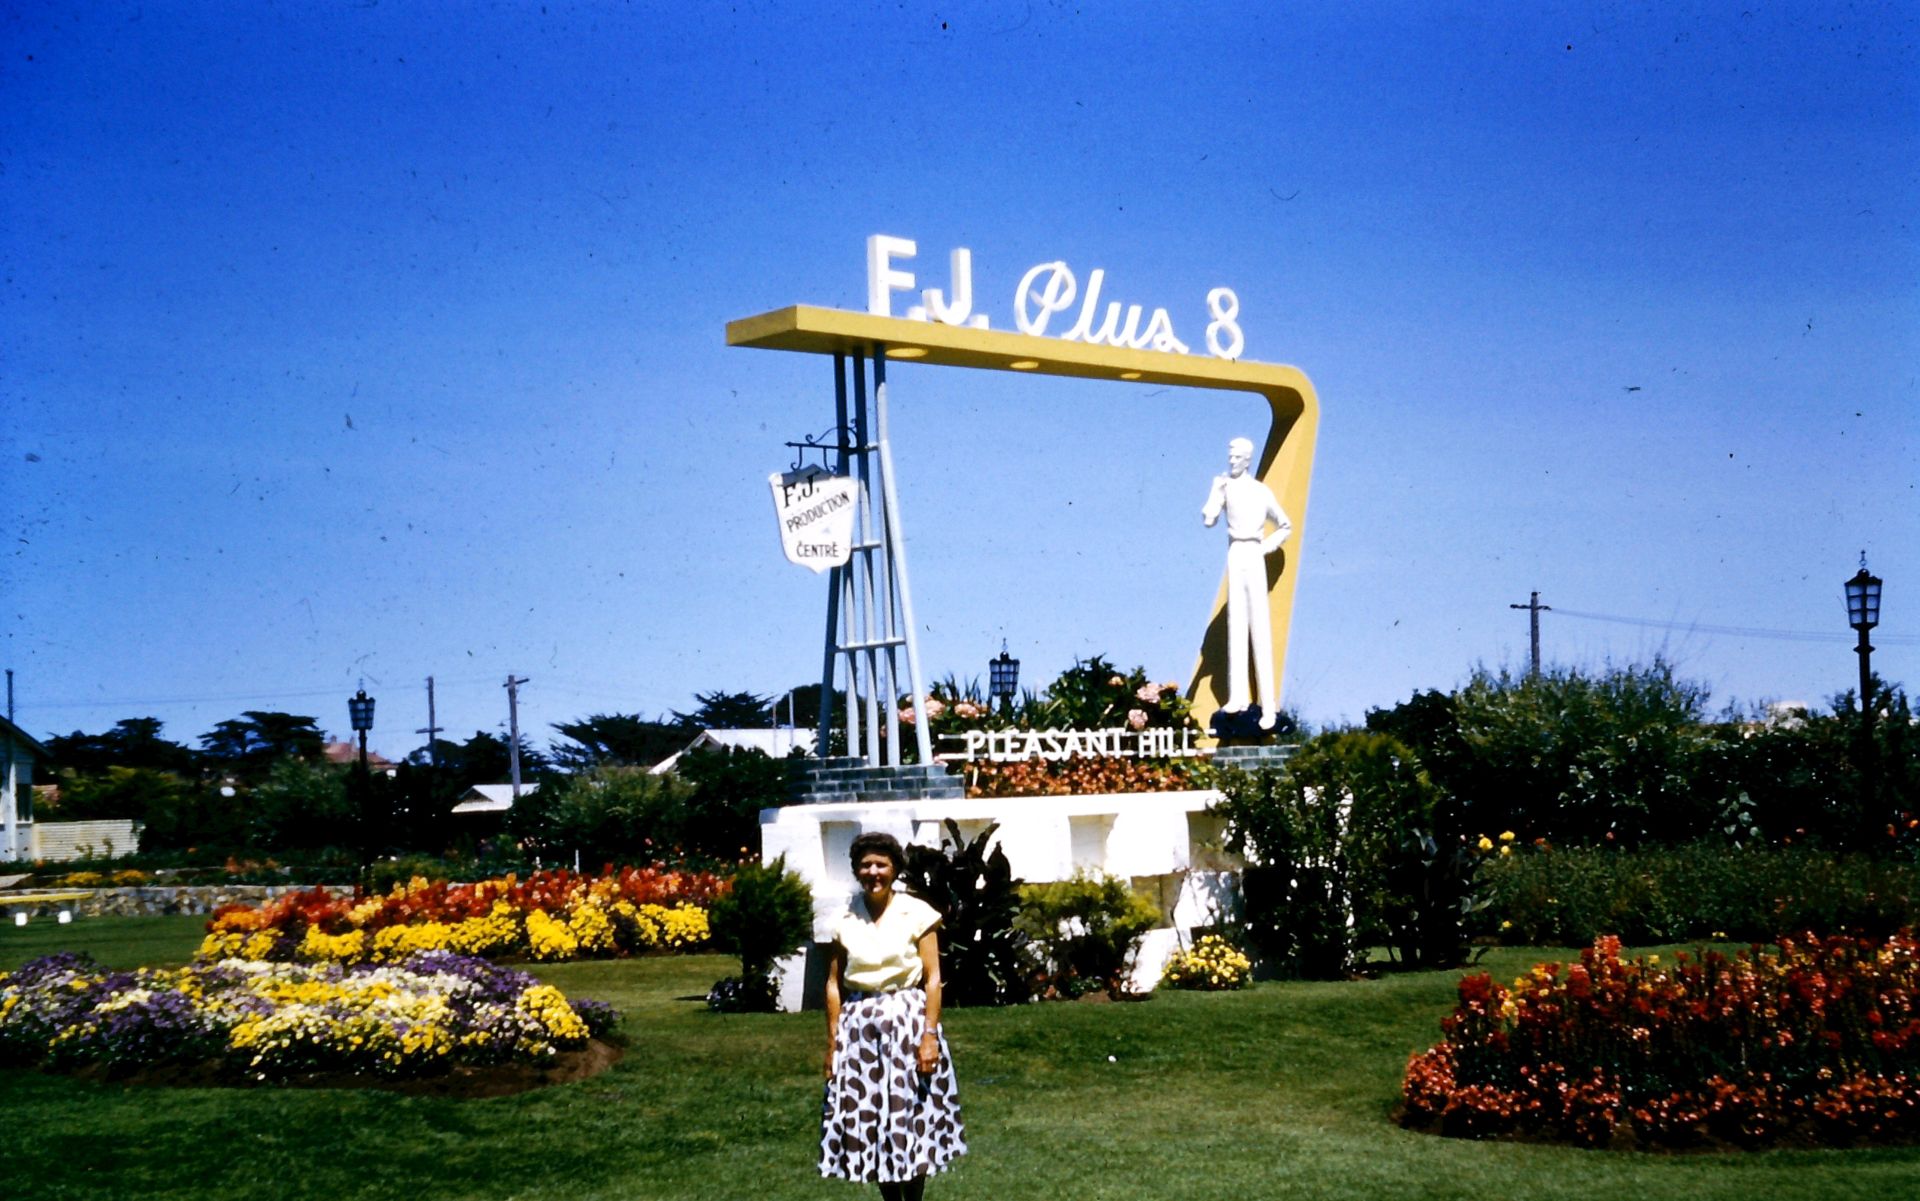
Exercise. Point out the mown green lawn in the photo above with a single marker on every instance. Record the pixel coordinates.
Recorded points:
(1279, 1091)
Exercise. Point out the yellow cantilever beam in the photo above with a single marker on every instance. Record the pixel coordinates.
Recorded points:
(1285, 463)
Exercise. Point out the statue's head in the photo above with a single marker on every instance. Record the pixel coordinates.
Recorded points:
(1239, 456)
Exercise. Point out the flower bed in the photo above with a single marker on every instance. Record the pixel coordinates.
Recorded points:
(550, 916)
(276, 1022)
(1084, 775)
(1817, 1043)
(1213, 965)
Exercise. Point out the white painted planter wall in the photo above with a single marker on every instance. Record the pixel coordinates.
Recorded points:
(1166, 843)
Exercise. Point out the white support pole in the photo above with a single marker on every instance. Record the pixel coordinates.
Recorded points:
(897, 546)
(863, 587)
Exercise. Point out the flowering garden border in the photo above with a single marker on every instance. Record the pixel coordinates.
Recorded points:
(1818, 1043)
(244, 1022)
(551, 916)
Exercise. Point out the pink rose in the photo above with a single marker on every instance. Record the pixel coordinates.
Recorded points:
(1137, 719)
(934, 707)
(1149, 693)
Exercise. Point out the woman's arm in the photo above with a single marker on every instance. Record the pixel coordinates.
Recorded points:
(836, 957)
(930, 980)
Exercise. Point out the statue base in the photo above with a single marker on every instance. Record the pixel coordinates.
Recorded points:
(1243, 728)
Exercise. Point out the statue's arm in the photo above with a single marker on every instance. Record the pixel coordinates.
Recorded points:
(1216, 500)
(1281, 526)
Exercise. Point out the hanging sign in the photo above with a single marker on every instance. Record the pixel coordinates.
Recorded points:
(1046, 290)
(815, 508)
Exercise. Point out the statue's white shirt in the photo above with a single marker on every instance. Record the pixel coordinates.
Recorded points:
(1249, 504)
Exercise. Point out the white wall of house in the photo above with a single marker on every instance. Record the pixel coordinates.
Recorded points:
(16, 797)
(1165, 843)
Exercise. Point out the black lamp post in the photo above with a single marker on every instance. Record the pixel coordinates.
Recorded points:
(1863, 613)
(360, 713)
(1003, 678)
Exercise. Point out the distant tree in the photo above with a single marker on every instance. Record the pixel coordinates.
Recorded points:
(133, 742)
(606, 814)
(616, 738)
(251, 743)
(730, 788)
(115, 793)
(806, 706)
(726, 711)
(482, 759)
(301, 805)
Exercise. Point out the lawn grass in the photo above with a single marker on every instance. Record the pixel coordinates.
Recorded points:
(1280, 1091)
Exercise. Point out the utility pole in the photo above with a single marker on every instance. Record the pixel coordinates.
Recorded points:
(11, 782)
(431, 730)
(1534, 610)
(513, 729)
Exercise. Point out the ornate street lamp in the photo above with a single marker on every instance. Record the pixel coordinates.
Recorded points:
(360, 713)
(1003, 677)
(1863, 613)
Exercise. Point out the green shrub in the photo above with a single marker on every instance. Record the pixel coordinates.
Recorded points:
(1700, 890)
(766, 914)
(1352, 845)
(730, 788)
(1089, 927)
(1574, 757)
(983, 953)
(610, 813)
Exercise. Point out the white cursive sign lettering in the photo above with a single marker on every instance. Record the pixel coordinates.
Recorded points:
(1046, 289)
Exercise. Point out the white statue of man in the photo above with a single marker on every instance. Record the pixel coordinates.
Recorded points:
(1249, 505)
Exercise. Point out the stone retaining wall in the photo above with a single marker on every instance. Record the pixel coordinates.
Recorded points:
(153, 900)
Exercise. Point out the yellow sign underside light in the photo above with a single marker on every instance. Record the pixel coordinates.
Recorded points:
(1285, 464)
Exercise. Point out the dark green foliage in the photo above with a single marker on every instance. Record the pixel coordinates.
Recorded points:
(984, 956)
(300, 804)
(767, 913)
(726, 711)
(623, 739)
(249, 745)
(1700, 890)
(730, 788)
(134, 742)
(609, 814)
(1294, 891)
(117, 792)
(483, 759)
(1089, 927)
(1574, 757)
(1353, 825)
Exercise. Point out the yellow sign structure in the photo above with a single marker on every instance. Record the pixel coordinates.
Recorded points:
(1284, 465)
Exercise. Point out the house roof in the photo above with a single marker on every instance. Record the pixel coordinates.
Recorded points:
(349, 753)
(21, 738)
(490, 798)
(775, 743)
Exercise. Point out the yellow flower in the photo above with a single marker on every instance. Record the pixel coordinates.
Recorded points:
(1485, 844)
(1506, 836)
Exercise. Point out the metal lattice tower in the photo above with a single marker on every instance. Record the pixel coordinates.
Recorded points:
(869, 606)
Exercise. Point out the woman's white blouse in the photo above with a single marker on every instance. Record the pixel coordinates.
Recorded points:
(885, 954)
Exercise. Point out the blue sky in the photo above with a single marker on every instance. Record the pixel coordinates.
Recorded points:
(383, 341)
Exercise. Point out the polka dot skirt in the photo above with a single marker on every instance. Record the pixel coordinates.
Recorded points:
(883, 1121)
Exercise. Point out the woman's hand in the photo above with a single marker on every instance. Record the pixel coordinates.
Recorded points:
(929, 1053)
(830, 1050)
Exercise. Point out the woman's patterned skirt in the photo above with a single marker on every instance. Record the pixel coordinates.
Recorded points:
(883, 1121)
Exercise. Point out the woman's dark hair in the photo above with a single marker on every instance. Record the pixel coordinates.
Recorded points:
(875, 843)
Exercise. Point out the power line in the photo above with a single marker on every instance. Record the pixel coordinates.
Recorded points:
(1694, 627)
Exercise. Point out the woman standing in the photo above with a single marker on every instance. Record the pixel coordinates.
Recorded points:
(892, 1115)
